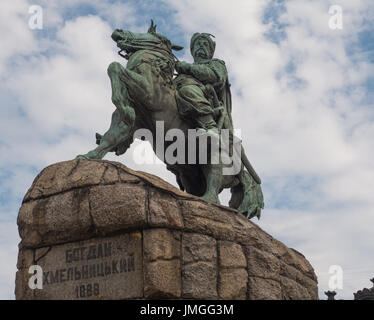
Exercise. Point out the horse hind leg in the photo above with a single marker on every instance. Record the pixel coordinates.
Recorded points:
(117, 135)
(212, 175)
(247, 197)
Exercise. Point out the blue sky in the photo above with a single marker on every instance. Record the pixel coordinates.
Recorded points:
(302, 95)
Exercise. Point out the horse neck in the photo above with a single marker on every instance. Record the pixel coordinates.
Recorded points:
(168, 110)
(147, 55)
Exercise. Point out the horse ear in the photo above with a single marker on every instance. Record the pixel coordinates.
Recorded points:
(176, 47)
(152, 28)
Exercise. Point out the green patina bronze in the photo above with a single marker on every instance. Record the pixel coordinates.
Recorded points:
(146, 92)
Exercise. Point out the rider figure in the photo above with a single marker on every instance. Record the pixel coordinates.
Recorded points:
(196, 82)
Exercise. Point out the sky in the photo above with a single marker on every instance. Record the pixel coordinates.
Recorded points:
(303, 98)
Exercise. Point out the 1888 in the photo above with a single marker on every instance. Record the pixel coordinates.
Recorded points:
(87, 290)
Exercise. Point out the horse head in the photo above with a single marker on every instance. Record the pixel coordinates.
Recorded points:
(130, 42)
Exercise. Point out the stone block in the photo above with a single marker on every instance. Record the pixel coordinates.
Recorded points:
(164, 210)
(162, 279)
(264, 289)
(232, 284)
(56, 219)
(100, 268)
(262, 264)
(161, 244)
(291, 290)
(118, 207)
(199, 280)
(231, 255)
(201, 217)
(197, 247)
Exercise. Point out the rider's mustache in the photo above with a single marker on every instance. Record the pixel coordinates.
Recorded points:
(199, 49)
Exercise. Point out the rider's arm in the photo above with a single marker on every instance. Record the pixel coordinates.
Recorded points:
(203, 73)
(214, 72)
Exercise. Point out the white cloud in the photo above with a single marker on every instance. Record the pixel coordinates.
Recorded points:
(16, 37)
(116, 12)
(8, 256)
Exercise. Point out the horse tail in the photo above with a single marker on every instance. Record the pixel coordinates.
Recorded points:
(247, 196)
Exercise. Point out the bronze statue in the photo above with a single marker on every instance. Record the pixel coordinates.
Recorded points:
(146, 93)
(202, 85)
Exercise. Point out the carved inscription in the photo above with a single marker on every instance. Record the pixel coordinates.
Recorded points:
(93, 269)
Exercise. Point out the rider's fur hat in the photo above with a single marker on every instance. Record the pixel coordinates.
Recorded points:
(207, 36)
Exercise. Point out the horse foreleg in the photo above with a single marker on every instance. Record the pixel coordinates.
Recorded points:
(118, 133)
(123, 119)
(120, 95)
(139, 83)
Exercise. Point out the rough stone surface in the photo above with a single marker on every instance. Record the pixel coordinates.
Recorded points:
(99, 268)
(199, 256)
(262, 264)
(162, 279)
(117, 206)
(164, 210)
(100, 230)
(197, 247)
(233, 284)
(231, 255)
(58, 218)
(233, 274)
(161, 244)
(199, 280)
(264, 289)
(162, 272)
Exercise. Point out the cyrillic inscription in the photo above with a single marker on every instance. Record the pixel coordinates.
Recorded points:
(94, 269)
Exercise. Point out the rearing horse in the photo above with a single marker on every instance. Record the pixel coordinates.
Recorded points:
(144, 93)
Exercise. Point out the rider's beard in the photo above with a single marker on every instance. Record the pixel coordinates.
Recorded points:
(201, 54)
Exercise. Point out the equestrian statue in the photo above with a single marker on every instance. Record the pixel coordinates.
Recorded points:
(147, 92)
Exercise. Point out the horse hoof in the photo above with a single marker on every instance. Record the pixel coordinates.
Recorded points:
(211, 198)
(88, 156)
(82, 156)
